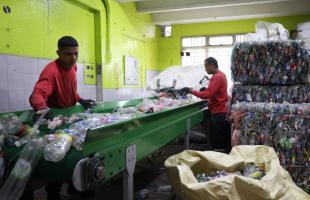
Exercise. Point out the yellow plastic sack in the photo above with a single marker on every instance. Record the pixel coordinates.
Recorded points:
(276, 184)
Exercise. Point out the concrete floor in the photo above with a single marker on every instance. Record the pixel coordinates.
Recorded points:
(149, 174)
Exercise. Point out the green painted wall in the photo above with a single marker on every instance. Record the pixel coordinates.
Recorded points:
(33, 27)
(130, 34)
(106, 31)
(170, 48)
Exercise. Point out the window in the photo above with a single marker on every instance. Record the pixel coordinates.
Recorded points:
(166, 31)
(196, 49)
(221, 40)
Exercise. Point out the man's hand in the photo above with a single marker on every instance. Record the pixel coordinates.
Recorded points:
(87, 103)
(202, 89)
(48, 116)
(186, 90)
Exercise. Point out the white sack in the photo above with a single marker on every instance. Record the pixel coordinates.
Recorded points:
(186, 76)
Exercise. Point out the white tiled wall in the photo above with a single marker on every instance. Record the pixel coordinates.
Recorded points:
(18, 76)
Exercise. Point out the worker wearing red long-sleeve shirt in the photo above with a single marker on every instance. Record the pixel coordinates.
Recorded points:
(217, 97)
(57, 87)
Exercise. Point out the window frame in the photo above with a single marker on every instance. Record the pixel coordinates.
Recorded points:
(207, 41)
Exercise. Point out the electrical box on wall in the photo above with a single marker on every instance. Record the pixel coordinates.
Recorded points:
(90, 74)
(131, 71)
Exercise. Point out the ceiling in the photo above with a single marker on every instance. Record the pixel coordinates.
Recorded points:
(165, 12)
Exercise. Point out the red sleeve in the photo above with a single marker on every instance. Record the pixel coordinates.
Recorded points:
(78, 98)
(42, 90)
(214, 85)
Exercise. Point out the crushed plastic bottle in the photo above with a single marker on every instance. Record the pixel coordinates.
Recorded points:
(254, 171)
(78, 132)
(16, 182)
(58, 148)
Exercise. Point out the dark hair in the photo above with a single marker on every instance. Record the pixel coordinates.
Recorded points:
(211, 61)
(67, 41)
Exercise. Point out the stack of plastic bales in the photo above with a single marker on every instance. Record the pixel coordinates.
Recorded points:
(271, 102)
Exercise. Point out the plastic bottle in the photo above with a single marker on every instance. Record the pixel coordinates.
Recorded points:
(15, 184)
(78, 132)
(58, 148)
(11, 123)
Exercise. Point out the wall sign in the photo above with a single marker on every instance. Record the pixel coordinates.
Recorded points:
(131, 71)
(90, 74)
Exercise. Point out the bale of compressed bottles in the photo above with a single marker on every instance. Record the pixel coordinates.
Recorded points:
(271, 62)
(276, 94)
(286, 127)
(271, 102)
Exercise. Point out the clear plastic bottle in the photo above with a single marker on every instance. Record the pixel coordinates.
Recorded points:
(11, 123)
(15, 184)
(78, 132)
(58, 148)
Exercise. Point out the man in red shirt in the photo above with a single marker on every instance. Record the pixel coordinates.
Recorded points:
(217, 97)
(57, 85)
(57, 88)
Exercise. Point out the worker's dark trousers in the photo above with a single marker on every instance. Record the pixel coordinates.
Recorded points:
(53, 190)
(220, 132)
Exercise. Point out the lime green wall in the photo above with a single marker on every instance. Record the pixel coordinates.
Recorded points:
(33, 27)
(106, 31)
(170, 48)
(130, 34)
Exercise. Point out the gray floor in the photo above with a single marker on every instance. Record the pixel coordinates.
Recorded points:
(149, 176)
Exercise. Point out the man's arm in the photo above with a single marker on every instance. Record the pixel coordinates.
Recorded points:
(42, 90)
(214, 86)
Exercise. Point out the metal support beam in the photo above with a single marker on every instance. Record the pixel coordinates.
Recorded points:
(128, 173)
(232, 12)
(159, 6)
(187, 136)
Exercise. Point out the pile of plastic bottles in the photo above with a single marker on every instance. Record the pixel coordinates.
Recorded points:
(276, 94)
(251, 170)
(75, 135)
(163, 103)
(204, 177)
(272, 62)
(255, 171)
(13, 132)
(60, 142)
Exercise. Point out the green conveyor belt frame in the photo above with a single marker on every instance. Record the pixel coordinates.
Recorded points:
(148, 133)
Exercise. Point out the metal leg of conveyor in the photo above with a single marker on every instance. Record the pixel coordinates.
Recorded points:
(128, 173)
(186, 139)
